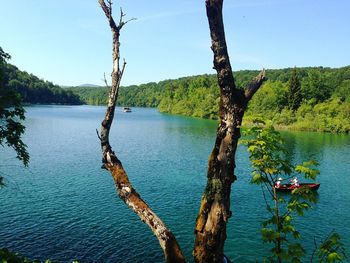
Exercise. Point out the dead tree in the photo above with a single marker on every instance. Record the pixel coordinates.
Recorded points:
(110, 161)
(215, 211)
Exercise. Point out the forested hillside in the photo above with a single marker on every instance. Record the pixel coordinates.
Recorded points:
(35, 90)
(324, 96)
(144, 95)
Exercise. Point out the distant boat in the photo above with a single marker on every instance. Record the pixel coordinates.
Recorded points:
(291, 187)
(126, 109)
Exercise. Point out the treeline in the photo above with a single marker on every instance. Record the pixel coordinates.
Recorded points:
(34, 90)
(323, 95)
(324, 100)
(144, 95)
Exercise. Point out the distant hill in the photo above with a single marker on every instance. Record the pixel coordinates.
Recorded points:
(88, 85)
(36, 91)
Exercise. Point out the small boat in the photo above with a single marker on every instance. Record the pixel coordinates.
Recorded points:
(291, 187)
(126, 109)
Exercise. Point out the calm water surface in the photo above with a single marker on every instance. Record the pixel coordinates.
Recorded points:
(64, 207)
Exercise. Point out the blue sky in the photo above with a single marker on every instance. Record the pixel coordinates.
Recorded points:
(68, 42)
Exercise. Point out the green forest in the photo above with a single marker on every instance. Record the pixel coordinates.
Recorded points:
(307, 99)
(34, 90)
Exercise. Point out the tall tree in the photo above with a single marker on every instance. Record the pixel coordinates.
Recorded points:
(110, 161)
(294, 91)
(11, 115)
(215, 207)
(215, 211)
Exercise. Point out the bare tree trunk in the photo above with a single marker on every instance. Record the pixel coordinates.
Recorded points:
(210, 230)
(110, 161)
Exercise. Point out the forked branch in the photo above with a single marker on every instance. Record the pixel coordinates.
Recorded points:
(111, 162)
(255, 85)
(214, 212)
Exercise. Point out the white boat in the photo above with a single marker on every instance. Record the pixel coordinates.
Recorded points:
(126, 109)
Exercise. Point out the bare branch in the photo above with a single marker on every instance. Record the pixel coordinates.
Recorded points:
(254, 85)
(133, 200)
(122, 71)
(105, 80)
(105, 8)
(98, 135)
(221, 59)
(121, 18)
(111, 162)
(108, 12)
(110, 7)
(121, 22)
(131, 19)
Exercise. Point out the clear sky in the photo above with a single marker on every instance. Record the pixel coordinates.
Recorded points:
(68, 42)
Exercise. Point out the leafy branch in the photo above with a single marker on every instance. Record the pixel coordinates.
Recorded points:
(270, 165)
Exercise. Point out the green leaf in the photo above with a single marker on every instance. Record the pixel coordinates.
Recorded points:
(334, 256)
(288, 219)
(296, 235)
(269, 235)
(257, 178)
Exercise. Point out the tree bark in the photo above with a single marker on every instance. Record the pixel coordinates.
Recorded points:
(110, 161)
(210, 229)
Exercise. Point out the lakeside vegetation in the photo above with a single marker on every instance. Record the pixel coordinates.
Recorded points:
(34, 90)
(324, 97)
(323, 101)
(320, 96)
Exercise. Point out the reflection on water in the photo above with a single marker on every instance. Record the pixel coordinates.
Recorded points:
(314, 145)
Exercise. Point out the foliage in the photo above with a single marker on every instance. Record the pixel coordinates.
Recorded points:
(10, 257)
(316, 86)
(269, 100)
(91, 95)
(343, 91)
(271, 164)
(198, 96)
(11, 128)
(11, 115)
(17, 87)
(294, 91)
(331, 249)
(332, 115)
(34, 90)
(7, 256)
(195, 96)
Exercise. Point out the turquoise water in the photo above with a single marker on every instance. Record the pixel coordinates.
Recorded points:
(64, 207)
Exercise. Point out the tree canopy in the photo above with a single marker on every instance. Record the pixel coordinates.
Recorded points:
(294, 91)
(34, 90)
(324, 93)
(11, 117)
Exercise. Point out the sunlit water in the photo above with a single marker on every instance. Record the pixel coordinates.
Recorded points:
(64, 207)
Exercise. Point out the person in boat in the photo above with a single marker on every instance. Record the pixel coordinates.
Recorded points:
(295, 182)
(278, 183)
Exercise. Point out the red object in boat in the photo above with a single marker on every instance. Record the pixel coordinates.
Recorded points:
(291, 187)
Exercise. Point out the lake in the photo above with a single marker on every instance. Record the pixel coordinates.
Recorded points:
(64, 206)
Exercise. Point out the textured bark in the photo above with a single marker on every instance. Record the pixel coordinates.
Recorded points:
(210, 230)
(110, 161)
